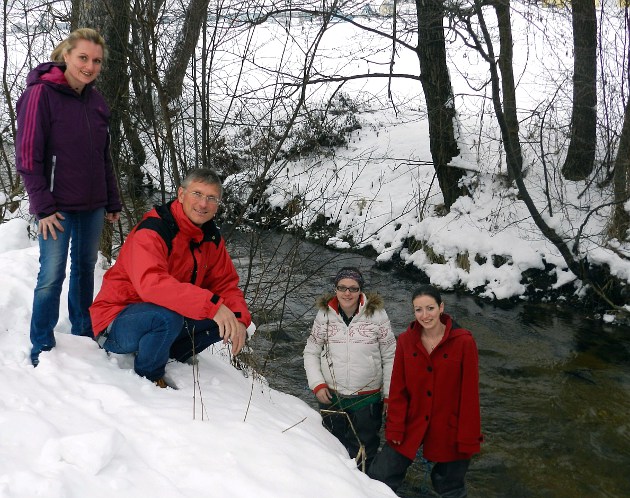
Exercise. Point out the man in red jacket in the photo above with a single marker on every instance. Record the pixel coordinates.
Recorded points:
(173, 290)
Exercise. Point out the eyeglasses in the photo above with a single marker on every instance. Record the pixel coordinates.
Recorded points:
(211, 199)
(343, 288)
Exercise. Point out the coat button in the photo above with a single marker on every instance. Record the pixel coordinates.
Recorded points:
(429, 368)
(428, 393)
(445, 355)
(415, 354)
(426, 417)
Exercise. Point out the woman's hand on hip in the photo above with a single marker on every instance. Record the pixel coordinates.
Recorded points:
(50, 224)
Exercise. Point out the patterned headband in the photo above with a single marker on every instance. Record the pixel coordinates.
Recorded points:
(352, 273)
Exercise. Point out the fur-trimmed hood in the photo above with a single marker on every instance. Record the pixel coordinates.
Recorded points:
(374, 302)
(350, 358)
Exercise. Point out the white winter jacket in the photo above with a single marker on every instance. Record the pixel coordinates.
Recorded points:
(354, 359)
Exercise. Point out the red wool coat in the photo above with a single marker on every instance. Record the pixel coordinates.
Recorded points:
(434, 398)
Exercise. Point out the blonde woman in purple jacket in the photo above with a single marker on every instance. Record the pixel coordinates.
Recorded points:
(62, 154)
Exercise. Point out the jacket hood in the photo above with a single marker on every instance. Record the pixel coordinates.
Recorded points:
(35, 75)
(174, 219)
(374, 302)
(51, 73)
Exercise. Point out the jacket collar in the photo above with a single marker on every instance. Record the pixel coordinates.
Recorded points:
(52, 74)
(333, 303)
(452, 330)
(369, 302)
(55, 75)
(173, 212)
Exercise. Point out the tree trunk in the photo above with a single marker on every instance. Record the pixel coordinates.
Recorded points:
(111, 19)
(184, 48)
(158, 92)
(438, 93)
(621, 219)
(578, 164)
(502, 8)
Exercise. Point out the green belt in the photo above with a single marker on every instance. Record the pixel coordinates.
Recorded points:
(353, 403)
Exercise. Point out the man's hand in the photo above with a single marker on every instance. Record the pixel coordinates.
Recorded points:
(230, 329)
(49, 224)
(323, 396)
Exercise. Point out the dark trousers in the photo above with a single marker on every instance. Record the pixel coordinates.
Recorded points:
(195, 336)
(156, 334)
(367, 423)
(448, 478)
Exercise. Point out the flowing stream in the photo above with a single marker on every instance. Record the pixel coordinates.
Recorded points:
(554, 384)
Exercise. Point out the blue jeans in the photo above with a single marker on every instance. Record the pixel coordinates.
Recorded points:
(81, 235)
(156, 334)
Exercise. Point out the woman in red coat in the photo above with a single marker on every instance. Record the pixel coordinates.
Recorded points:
(433, 400)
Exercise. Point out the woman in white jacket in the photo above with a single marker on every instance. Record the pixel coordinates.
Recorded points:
(348, 360)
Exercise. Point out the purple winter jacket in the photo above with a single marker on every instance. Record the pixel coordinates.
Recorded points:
(62, 145)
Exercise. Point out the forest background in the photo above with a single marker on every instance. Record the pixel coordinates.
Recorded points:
(483, 145)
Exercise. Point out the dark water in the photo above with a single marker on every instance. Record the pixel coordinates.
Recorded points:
(554, 385)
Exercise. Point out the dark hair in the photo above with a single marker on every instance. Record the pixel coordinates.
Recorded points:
(66, 46)
(427, 290)
(350, 272)
(203, 175)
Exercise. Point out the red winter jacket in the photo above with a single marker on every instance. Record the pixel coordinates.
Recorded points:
(434, 399)
(146, 272)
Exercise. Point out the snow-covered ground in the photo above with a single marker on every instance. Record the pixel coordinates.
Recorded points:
(83, 424)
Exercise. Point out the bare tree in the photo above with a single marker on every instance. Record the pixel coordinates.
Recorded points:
(508, 86)
(438, 93)
(578, 164)
(620, 223)
(599, 278)
(194, 90)
(111, 19)
(184, 47)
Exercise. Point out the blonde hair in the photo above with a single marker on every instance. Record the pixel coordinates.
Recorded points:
(67, 45)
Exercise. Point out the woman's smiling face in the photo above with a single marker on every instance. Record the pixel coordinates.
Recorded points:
(349, 294)
(427, 311)
(83, 64)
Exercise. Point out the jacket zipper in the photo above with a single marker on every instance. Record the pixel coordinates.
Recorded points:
(91, 160)
(52, 173)
(193, 246)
